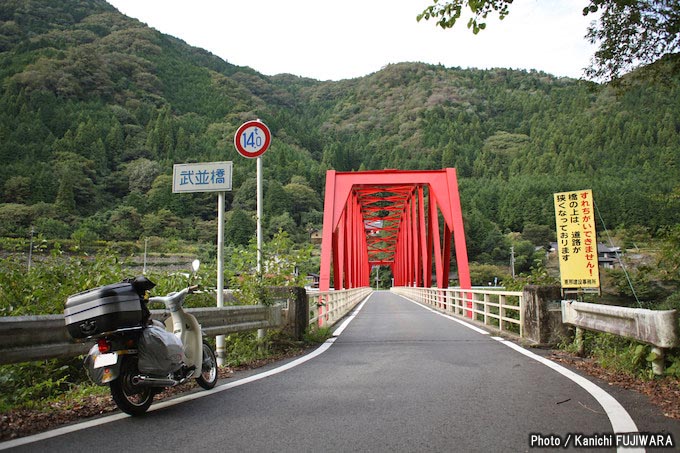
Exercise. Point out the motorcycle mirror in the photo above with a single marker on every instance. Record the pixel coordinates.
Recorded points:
(195, 264)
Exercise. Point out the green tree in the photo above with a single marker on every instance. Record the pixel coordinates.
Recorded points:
(15, 220)
(160, 135)
(126, 224)
(245, 196)
(281, 222)
(448, 12)
(526, 256)
(77, 190)
(84, 236)
(539, 235)
(631, 33)
(115, 142)
(303, 199)
(88, 143)
(141, 174)
(669, 258)
(498, 153)
(161, 223)
(160, 194)
(53, 228)
(488, 274)
(484, 241)
(239, 228)
(276, 199)
(17, 189)
(638, 285)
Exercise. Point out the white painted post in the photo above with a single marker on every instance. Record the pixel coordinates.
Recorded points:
(658, 364)
(30, 249)
(260, 332)
(578, 340)
(521, 316)
(259, 215)
(220, 346)
(146, 242)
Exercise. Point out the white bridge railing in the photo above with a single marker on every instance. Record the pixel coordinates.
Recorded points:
(499, 309)
(327, 307)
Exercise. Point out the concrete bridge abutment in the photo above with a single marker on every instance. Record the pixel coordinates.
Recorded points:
(543, 315)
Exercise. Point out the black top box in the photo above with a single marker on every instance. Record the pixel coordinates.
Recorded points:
(103, 309)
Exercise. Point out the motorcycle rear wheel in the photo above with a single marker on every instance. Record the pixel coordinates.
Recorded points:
(131, 399)
(208, 377)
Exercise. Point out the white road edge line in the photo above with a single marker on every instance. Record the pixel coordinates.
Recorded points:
(193, 396)
(341, 328)
(459, 321)
(619, 418)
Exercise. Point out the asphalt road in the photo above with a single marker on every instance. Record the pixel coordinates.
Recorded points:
(399, 378)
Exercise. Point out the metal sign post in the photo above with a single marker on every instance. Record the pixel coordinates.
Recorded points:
(251, 141)
(220, 347)
(259, 216)
(209, 177)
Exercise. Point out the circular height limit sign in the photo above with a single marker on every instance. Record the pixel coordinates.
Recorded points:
(252, 139)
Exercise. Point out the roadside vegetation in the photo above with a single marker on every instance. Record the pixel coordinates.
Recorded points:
(55, 274)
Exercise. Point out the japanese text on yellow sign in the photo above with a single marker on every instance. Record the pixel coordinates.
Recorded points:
(576, 239)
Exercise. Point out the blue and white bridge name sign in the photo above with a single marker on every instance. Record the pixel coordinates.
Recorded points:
(203, 177)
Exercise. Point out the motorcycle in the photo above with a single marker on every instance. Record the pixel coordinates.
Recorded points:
(138, 357)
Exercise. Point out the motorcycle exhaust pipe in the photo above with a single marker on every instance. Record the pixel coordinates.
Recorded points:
(146, 381)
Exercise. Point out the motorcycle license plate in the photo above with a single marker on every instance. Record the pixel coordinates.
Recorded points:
(103, 360)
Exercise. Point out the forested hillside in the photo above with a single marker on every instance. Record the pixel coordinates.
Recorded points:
(95, 108)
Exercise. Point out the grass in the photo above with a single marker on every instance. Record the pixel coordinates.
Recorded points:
(63, 383)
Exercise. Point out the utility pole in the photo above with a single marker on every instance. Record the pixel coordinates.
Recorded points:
(30, 249)
(512, 261)
(146, 243)
(377, 277)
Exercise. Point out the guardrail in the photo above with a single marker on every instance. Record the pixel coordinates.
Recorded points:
(658, 328)
(499, 309)
(328, 307)
(26, 338)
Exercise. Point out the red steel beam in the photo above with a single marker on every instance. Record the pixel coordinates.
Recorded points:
(386, 218)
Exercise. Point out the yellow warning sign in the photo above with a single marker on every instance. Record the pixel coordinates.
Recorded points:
(577, 239)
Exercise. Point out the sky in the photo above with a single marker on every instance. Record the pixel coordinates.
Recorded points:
(335, 40)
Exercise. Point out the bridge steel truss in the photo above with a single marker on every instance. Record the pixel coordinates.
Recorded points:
(391, 218)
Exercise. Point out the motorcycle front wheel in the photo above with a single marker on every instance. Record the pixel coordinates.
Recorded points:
(131, 399)
(208, 377)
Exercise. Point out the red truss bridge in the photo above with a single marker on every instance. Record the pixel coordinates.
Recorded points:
(401, 219)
